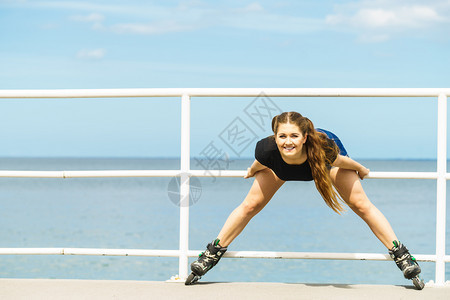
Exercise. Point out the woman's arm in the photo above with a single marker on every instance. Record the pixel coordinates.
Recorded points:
(346, 162)
(256, 166)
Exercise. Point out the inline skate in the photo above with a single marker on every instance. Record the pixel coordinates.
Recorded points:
(407, 264)
(206, 260)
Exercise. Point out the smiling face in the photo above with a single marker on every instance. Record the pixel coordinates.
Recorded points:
(290, 141)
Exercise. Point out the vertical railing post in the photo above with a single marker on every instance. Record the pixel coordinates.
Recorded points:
(441, 194)
(184, 185)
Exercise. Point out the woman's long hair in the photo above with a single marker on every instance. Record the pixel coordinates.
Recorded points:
(316, 143)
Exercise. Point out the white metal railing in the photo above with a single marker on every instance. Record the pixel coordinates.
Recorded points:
(185, 171)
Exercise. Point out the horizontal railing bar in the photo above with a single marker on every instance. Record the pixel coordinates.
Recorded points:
(403, 175)
(86, 174)
(194, 253)
(31, 251)
(122, 252)
(225, 92)
(318, 255)
(197, 173)
(89, 251)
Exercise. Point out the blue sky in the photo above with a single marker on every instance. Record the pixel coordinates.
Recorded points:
(145, 44)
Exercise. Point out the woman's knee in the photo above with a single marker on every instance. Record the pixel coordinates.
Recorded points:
(350, 189)
(360, 204)
(252, 205)
(264, 187)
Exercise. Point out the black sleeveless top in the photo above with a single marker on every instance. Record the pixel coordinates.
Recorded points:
(267, 153)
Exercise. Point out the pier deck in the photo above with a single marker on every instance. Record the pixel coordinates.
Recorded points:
(108, 289)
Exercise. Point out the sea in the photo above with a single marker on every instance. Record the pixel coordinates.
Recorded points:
(139, 213)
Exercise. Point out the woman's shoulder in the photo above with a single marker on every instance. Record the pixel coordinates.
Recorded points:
(264, 150)
(267, 144)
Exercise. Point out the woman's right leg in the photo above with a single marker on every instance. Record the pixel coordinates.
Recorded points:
(264, 187)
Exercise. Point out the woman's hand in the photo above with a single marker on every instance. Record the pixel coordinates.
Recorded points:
(250, 173)
(256, 167)
(346, 162)
(363, 172)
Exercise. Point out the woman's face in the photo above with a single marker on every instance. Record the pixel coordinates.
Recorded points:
(290, 141)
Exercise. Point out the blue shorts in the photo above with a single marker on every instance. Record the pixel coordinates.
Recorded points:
(338, 142)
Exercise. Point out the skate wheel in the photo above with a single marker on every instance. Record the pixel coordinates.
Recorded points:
(191, 279)
(418, 283)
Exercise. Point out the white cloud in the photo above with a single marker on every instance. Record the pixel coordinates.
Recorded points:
(253, 7)
(194, 15)
(375, 18)
(150, 18)
(380, 20)
(400, 17)
(189, 4)
(93, 17)
(92, 54)
(104, 7)
(255, 16)
(188, 15)
(370, 20)
(150, 29)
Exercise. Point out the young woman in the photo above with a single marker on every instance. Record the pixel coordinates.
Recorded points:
(298, 151)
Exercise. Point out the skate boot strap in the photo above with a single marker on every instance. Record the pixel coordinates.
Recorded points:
(215, 249)
(399, 252)
(209, 258)
(400, 258)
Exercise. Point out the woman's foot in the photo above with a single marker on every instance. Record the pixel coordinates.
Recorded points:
(209, 258)
(404, 260)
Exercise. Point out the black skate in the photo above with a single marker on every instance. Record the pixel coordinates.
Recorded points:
(407, 264)
(206, 261)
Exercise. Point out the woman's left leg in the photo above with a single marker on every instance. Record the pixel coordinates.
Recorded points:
(348, 185)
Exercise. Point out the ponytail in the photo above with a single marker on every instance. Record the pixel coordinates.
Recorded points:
(316, 143)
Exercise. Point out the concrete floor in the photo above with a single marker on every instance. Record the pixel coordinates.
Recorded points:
(108, 289)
